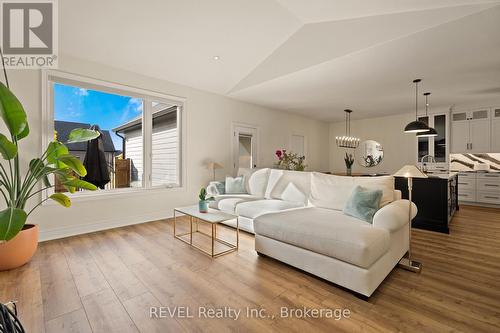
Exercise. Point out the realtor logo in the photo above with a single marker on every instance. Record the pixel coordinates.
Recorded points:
(29, 33)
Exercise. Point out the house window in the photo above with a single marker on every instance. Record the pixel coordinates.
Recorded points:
(140, 142)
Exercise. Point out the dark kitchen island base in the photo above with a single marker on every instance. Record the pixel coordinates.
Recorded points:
(436, 198)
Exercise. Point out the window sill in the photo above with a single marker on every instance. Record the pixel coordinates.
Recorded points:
(115, 194)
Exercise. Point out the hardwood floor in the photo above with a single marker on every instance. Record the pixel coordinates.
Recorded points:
(107, 282)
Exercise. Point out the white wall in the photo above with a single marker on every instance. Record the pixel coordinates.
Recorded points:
(209, 119)
(399, 148)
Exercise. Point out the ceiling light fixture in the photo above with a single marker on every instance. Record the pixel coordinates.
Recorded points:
(431, 132)
(347, 141)
(216, 57)
(416, 126)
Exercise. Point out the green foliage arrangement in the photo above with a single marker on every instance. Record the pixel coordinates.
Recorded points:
(290, 161)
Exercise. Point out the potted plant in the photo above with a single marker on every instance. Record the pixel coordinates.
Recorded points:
(290, 160)
(18, 239)
(349, 161)
(204, 199)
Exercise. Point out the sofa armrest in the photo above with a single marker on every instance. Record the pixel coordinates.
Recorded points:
(394, 215)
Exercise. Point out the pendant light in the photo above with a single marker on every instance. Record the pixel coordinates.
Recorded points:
(416, 126)
(347, 141)
(431, 132)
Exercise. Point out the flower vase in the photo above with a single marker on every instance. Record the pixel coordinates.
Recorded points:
(348, 172)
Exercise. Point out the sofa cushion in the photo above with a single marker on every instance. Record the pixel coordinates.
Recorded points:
(332, 192)
(293, 186)
(274, 177)
(255, 180)
(253, 209)
(235, 185)
(327, 232)
(227, 202)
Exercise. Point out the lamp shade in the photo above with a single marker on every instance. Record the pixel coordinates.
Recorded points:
(410, 171)
(416, 127)
(427, 134)
(214, 166)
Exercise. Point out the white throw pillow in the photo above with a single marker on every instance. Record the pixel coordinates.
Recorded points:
(330, 191)
(255, 180)
(293, 186)
(235, 185)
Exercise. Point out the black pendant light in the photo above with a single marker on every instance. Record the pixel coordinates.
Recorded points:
(431, 132)
(416, 126)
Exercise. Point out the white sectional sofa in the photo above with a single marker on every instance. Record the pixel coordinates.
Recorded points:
(298, 218)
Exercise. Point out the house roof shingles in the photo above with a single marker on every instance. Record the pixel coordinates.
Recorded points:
(63, 128)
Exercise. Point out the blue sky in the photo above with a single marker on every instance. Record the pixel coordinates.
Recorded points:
(95, 107)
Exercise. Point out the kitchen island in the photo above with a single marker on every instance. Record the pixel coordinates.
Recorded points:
(436, 198)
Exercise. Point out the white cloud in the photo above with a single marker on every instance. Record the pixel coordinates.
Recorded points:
(136, 104)
(82, 92)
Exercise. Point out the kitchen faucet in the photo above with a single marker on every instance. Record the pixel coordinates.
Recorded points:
(422, 165)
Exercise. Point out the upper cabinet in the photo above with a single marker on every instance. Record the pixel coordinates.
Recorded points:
(495, 130)
(471, 131)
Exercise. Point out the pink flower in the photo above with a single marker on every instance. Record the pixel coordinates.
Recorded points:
(279, 154)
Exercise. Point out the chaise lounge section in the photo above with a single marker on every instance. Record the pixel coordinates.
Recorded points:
(299, 220)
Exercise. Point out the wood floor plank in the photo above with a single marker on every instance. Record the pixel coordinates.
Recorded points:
(72, 322)
(59, 291)
(138, 308)
(106, 313)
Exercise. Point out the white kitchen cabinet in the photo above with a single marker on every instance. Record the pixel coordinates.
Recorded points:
(471, 131)
(459, 136)
(479, 137)
(495, 130)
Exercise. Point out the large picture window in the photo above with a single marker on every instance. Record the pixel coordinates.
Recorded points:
(140, 142)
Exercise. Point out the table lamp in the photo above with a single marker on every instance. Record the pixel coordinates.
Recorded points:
(214, 166)
(410, 172)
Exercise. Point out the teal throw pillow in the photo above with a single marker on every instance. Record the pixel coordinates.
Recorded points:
(363, 203)
(235, 185)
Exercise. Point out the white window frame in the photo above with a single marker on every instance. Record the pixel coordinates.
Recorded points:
(51, 76)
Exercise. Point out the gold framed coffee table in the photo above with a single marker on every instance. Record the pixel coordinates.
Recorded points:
(213, 218)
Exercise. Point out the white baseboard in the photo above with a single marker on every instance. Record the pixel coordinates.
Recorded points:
(67, 231)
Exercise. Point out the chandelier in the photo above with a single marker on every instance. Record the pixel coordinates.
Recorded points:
(347, 141)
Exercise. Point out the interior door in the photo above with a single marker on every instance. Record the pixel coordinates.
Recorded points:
(245, 140)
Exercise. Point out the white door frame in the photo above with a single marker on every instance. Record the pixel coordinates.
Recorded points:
(250, 129)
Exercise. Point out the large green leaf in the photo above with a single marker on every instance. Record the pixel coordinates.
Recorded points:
(62, 199)
(7, 148)
(40, 170)
(12, 113)
(73, 163)
(82, 135)
(78, 183)
(11, 222)
(54, 150)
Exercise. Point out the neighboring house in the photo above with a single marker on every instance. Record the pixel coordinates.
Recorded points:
(63, 128)
(165, 146)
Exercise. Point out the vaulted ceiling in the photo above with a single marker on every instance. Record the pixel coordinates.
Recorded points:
(312, 57)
